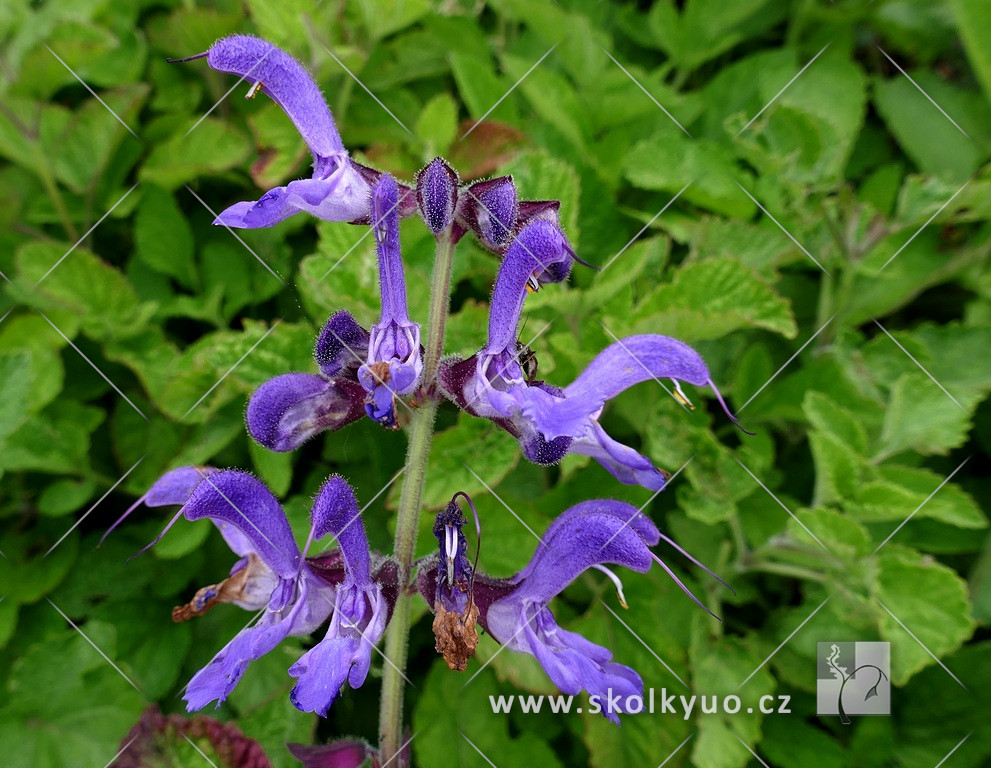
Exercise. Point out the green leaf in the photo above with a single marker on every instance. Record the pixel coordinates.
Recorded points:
(709, 299)
(163, 238)
(974, 25)
(925, 133)
(479, 86)
(707, 28)
(669, 164)
(838, 468)
(843, 536)
(85, 721)
(900, 491)
(827, 415)
(816, 119)
(211, 147)
(81, 143)
(493, 454)
(552, 98)
(384, 18)
(792, 743)
(85, 285)
(921, 417)
(437, 125)
(545, 177)
(15, 386)
(719, 668)
(448, 706)
(274, 468)
(657, 649)
(941, 622)
(29, 334)
(280, 148)
(56, 440)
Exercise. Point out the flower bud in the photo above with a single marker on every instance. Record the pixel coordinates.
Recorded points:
(490, 209)
(437, 195)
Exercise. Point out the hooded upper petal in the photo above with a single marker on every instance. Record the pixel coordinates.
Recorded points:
(288, 84)
(287, 410)
(532, 252)
(335, 512)
(338, 190)
(244, 502)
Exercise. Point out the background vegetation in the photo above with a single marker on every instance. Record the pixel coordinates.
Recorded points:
(886, 397)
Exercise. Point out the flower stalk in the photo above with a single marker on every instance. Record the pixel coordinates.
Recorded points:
(408, 517)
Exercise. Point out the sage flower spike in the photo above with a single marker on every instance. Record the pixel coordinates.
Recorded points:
(338, 189)
(287, 410)
(394, 363)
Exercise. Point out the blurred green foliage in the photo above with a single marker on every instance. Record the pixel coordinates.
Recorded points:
(125, 315)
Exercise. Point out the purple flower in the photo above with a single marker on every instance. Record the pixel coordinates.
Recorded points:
(289, 409)
(344, 753)
(489, 209)
(548, 421)
(271, 574)
(297, 593)
(360, 607)
(588, 534)
(394, 364)
(515, 610)
(339, 189)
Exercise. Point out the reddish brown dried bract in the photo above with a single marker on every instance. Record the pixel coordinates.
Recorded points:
(456, 635)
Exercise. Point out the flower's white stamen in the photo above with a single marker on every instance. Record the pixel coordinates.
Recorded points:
(254, 89)
(680, 396)
(616, 582)
(450, 551)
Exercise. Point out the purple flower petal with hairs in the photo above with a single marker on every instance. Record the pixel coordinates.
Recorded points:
(589, 534)
(360, 607)
(548, 421)
(271, 575)
(289, 409)
(174, 487)
(394, 364)
(515, 610)
(338, 190)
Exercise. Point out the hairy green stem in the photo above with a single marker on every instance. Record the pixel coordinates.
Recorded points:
(407, 523)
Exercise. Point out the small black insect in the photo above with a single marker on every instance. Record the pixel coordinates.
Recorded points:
(528, 361)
